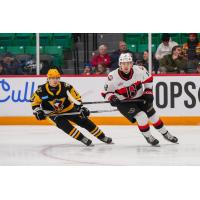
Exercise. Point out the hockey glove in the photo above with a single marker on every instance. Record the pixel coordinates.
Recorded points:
(85, 112)
(39, 114)
(148, 95)
(114, 101)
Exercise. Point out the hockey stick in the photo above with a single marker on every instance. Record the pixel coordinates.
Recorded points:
(79, 113)
(48, 113)
(101, 102)
(122, 101)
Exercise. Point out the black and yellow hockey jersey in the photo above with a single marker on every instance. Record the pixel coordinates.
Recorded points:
(55, 99)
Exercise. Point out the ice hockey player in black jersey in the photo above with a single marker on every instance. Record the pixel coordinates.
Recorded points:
(134, 82)
(56, 97)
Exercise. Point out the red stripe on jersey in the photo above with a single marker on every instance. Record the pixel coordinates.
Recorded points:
(143, 127)
(149, 80)
(137, 83)
(158, 123)
(122, 91)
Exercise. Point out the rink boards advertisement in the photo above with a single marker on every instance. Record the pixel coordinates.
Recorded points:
(174, 96)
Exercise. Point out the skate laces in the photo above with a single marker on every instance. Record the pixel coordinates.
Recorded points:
(168, 135)
(105, 139)
(151, 138)
(84, 140)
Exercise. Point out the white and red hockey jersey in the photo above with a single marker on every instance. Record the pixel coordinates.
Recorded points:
(127, 88)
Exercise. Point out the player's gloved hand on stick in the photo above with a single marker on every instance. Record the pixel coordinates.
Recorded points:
(39, 114)
(114, 101)
(148, 95)
(78, 106)
(85, 112)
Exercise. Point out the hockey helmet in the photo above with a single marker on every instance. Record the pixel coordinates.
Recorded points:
(125, 57)
(53, 73)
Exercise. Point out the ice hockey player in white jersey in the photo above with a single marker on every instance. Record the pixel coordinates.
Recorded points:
(134, 82)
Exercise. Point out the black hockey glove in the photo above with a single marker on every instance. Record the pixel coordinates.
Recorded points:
(39, 114)
(148, 95)
(114, 101)
(77, 107)
(85, 112)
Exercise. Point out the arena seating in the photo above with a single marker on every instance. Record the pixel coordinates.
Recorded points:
(24, 43)
(137, 42)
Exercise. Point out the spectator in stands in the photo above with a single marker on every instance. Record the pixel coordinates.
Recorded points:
(87, 69)
(2, 71)
(198, 68)
(165, 47)
(145, 62)
(115, 55)
(76, 37)
(100, 69)
(174, 62)
(101, 58)
(191, 51)
(11, 65)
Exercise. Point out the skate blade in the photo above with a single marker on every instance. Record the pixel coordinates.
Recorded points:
(157, 145)
(91, 145)
(111, 143)
(171, 142)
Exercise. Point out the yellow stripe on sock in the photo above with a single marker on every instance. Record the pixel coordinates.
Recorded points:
(76, 136)
(99, 134)
(72, 131)
(94, 130)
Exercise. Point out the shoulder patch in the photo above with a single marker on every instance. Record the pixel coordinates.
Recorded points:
(106, 87)
(67, 85)
(141, 67)
(39, 89)
(110, 77)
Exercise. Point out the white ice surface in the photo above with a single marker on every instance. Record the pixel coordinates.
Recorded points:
(47, 145)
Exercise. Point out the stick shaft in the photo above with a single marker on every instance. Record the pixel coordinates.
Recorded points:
(79, 113)
(122, 101)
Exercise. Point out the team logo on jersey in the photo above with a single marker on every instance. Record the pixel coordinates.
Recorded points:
(132, 90)
(110, 77)
(57, 104)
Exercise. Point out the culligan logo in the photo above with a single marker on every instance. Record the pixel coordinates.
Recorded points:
(7, 93)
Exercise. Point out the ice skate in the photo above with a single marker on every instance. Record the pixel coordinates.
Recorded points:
(87, 142)
(151, 140)
(107, 140)
(170, 137)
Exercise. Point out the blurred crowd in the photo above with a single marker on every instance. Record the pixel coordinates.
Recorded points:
(169, 57)
(25, 64)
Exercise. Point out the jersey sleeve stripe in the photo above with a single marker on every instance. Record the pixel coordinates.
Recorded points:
(148, 80)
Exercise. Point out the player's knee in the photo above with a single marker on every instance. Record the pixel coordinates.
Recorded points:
(141, 118)
(61, 126)
(154, 118)
(83, 122)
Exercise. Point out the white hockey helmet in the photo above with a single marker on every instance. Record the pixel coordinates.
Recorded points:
(125, 57)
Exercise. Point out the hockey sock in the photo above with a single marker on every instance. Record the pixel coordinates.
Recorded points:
(143, 125)
(97, 133)
(158, 124)
(76, 134)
